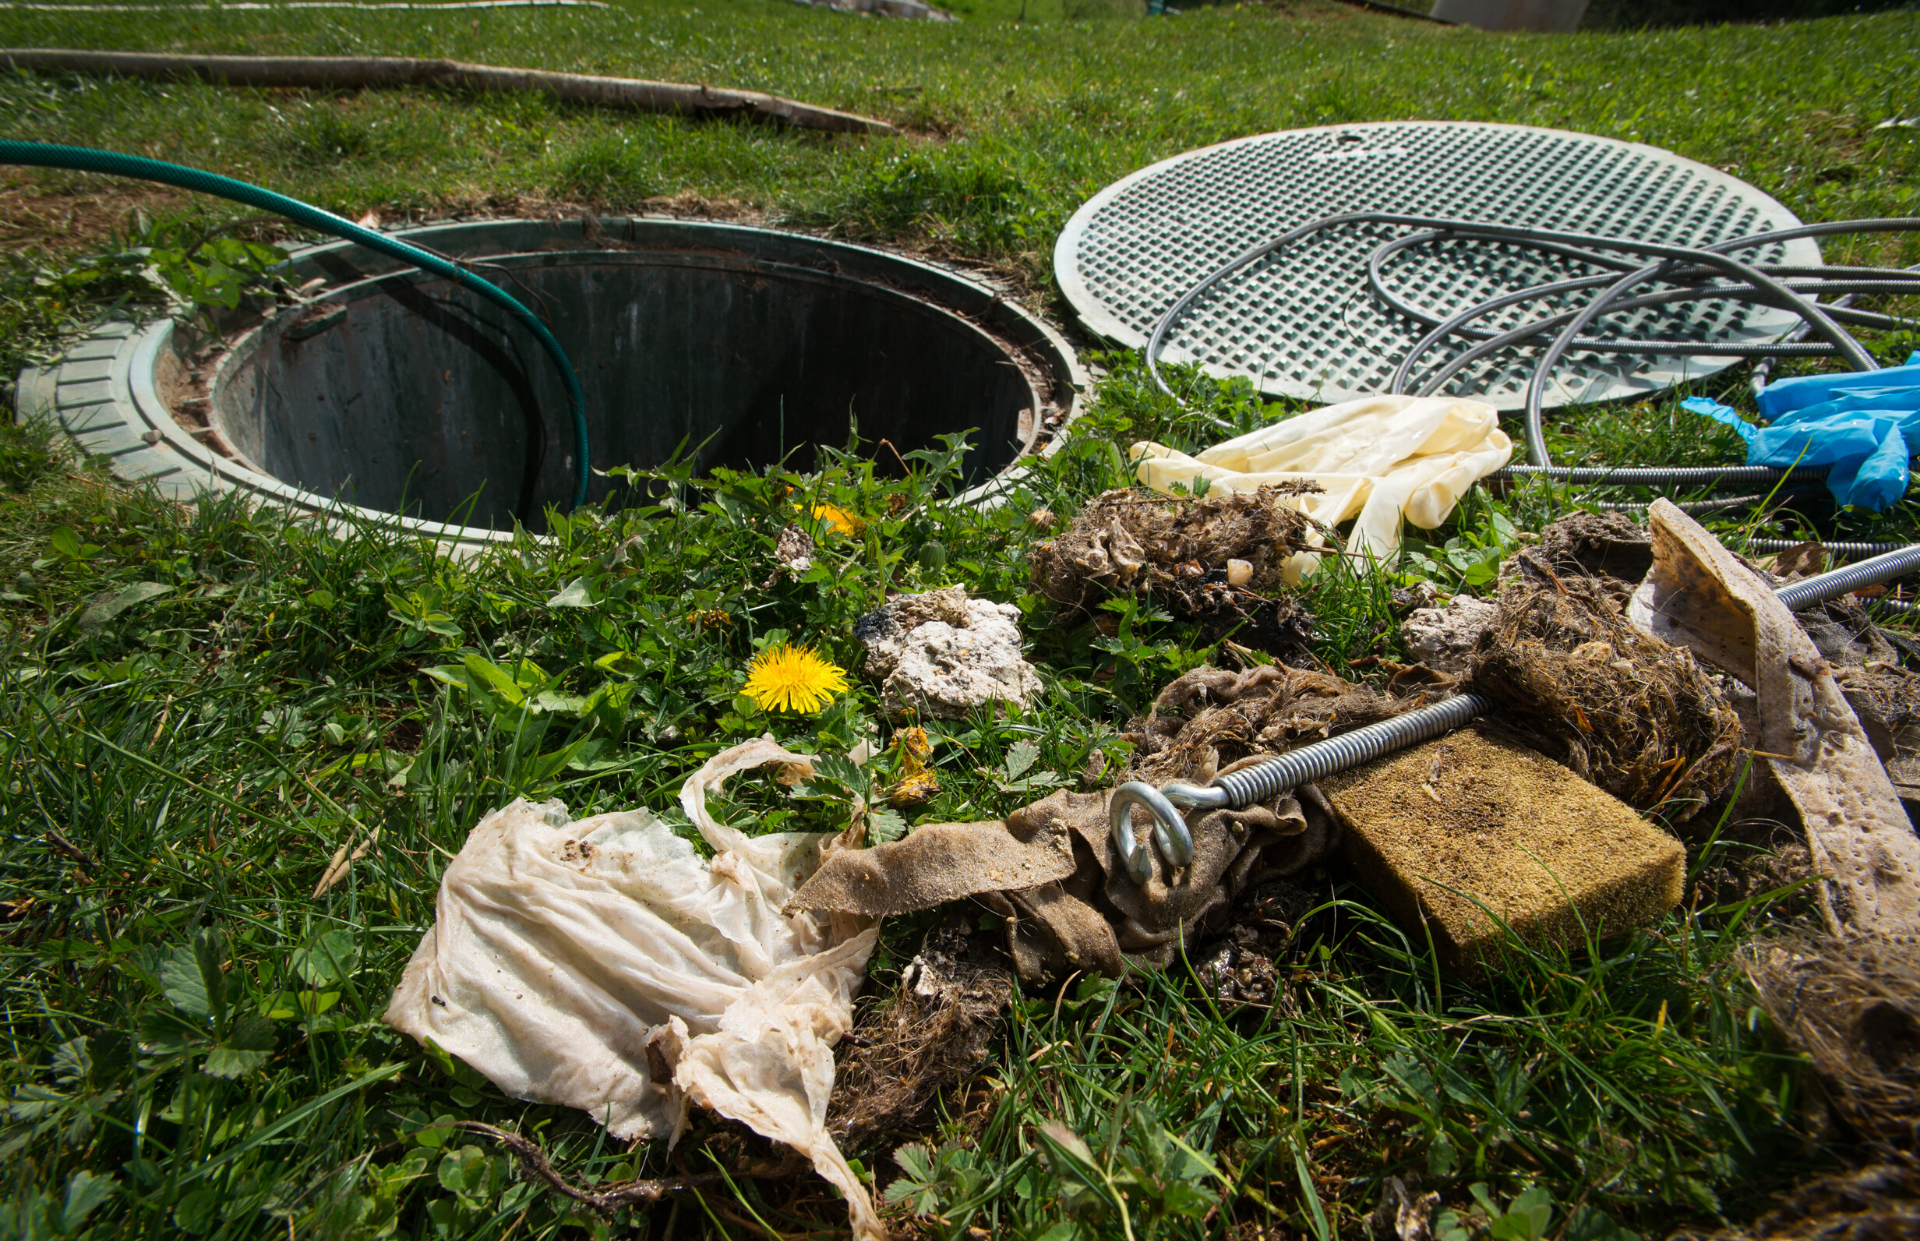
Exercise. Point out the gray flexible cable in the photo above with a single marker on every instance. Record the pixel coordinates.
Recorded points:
(1838, 549)
(1816, 320)
(1534, 332)
(1699, 508)
(1323, 758)
(1715, 257)
(1757, 285)
(1836, 582)
(1660, 475)
(1878, 282)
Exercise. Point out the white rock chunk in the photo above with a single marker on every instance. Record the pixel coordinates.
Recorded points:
(941, 655)
(1443, 638)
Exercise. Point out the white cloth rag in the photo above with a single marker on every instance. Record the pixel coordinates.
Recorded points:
(563, 952)
(1377, 459)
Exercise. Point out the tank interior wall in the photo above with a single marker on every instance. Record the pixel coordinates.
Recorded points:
(423, 399)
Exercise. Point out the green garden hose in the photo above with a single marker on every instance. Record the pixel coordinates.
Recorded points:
(82, 159)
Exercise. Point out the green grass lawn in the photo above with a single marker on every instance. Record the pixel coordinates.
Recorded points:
(192, 1039)
(1013, 124)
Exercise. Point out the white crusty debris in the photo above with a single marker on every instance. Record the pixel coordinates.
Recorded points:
(941, 655)
(1443, 638)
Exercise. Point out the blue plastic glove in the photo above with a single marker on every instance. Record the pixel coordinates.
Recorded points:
(1865, 424)
(1877, 480)
(1788, 395)
(1868, 449)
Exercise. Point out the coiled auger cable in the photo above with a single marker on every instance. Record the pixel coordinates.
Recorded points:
(84, 159)
(1239, 789)
(1792, 288)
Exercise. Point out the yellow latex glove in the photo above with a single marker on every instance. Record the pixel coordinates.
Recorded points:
(1378, 459)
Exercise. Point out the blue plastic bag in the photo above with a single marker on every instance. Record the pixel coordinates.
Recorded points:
(1865, 425)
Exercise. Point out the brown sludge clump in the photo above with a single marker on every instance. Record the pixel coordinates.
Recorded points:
(1182, 551)
(933, 1034)
(1472, 817)
(1854, 1007)
(1629, 712)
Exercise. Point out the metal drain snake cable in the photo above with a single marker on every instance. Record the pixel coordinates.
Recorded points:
(1263, 781)
(83, 159)
(1815, 318)
(1771, 285)
(1558, 242)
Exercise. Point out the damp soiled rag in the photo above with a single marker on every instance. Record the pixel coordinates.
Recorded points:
(1865, 425)
(603, 964)
(1377, 460)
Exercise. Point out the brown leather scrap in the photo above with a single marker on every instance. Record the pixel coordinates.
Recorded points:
(937, 863)
(1699, 595)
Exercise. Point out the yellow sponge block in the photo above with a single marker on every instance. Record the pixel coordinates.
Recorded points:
(1475, 818)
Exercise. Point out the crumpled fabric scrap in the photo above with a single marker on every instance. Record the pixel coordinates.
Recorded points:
(603, 964)
(1378, 460)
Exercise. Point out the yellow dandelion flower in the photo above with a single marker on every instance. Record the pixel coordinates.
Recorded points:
(838, 520)
(793, 678)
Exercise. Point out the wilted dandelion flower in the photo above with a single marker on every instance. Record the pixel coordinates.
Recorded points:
(917, 784)
(793, 678)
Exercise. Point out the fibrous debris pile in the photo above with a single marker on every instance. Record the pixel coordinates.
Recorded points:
(1853, 1005)
(941, 655)
(1880, 1202)
(1211, 719)
(1216, 560)
(931, 1035)
(1763, 856)
(1608, 546)
(1627, 711)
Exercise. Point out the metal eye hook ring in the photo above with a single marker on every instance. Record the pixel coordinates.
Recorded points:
(1170, 833)
(1120, 824)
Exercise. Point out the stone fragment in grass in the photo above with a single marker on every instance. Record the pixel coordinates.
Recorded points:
(941, 655)
(1469, 827)
(1444, 638)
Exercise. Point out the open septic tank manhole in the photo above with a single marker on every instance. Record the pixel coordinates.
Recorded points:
(400, 393)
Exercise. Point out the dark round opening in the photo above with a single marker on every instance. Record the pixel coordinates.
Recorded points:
(407, 394)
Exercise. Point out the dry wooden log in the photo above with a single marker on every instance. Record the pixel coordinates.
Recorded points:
(361, 72)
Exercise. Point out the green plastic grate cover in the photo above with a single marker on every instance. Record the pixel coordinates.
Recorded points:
(1305, 324)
